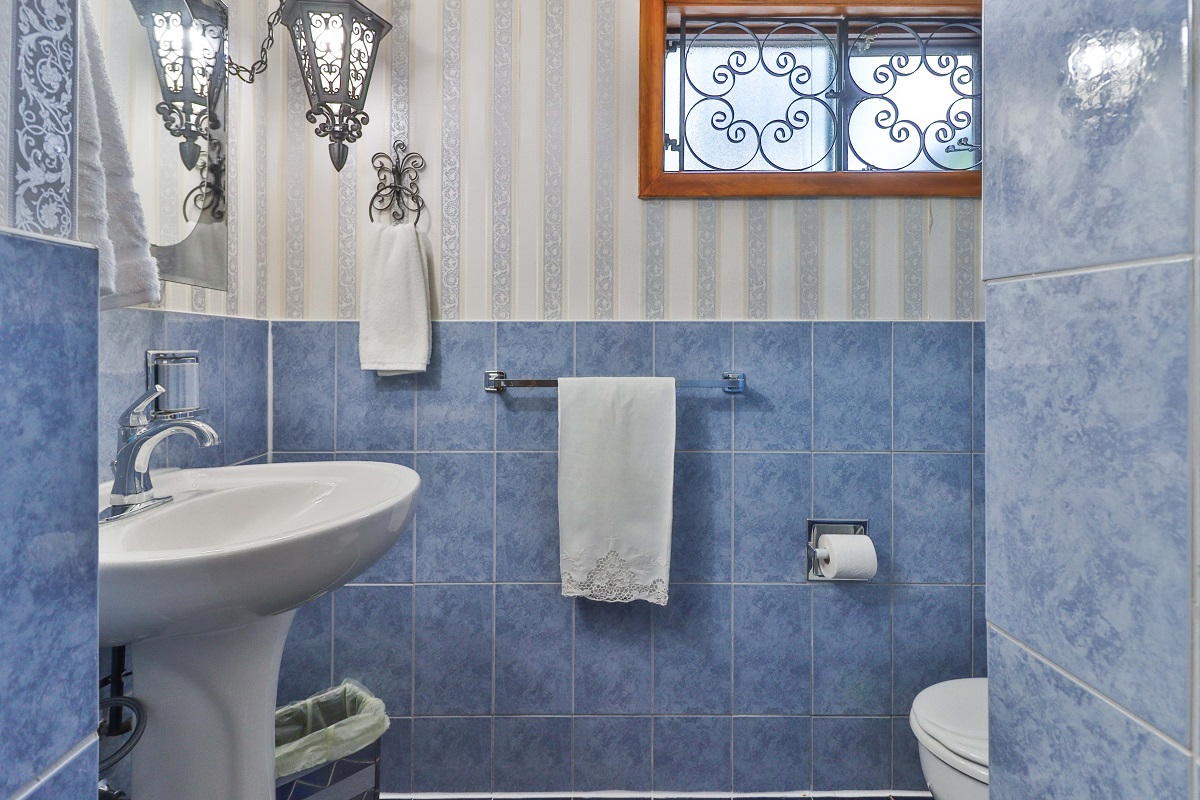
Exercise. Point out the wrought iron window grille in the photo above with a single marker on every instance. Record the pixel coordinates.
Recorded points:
(857, 94)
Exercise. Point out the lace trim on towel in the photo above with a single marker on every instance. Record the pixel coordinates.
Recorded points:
(612, 581)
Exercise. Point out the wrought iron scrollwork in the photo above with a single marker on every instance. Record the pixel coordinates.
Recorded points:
(397, 191)
(208, 197)
(794, 95)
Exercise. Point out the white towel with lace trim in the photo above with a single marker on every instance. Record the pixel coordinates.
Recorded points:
(616, 473)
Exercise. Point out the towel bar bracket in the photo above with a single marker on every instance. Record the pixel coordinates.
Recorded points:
(497, 381)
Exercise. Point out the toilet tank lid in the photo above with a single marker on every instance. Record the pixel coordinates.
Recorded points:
(955, 713)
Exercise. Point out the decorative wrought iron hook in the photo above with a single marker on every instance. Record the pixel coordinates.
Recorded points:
(397, 191)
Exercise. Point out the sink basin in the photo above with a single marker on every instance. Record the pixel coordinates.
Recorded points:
(204, 589)
(241, 543)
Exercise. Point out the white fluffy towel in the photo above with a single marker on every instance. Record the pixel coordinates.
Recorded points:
(110, 213)
(395, 334)
(616, 473)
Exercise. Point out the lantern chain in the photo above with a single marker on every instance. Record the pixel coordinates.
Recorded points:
(248, 74)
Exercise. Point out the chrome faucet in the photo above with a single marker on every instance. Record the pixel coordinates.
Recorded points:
(139, 434)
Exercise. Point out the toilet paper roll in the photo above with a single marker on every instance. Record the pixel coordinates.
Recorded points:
(849, 558)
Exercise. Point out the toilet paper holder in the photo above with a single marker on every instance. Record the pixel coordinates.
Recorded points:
(820, 527)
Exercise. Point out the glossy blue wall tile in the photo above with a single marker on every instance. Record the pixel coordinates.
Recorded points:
(612, 658)
(373, 412)
(701, 529)
(304, 359)
(1088, 424)
(1102, 176)
(614, 349)
(454, 519)
(931, 635)
(868, 737)
(125, 336)
(775, 413)
(1051, 737)
(772, 754)
(772, 642)
(48, 557)
(931, 534)
(372, 642)
(453, 411)
(931, 386)
(527, 517)
(206, 334)
(771, 491)
(612, 753)
(692, 754)
(697, 350)
(533, 649)
(452, 660)
(528, 419)
(533, 754)
(692, 651)
(246, 368)
(307, 667)
(852, 386)
(852, 649)
(978, 385)
(855, 486)
(906, 758)
(396, 765)
(75, 780)
(452, 754)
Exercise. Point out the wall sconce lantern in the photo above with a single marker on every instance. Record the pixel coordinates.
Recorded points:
(187, 42)
(336, 43)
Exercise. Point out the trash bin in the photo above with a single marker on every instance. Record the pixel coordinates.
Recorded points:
(329, 744)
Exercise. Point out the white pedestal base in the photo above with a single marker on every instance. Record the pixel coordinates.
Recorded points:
(210, 713)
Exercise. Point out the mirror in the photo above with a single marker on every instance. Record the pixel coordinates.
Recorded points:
(166, 61)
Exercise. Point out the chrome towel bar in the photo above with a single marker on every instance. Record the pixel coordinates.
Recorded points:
(498, 381)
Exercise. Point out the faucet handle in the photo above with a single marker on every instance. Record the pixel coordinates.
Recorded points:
(135, 416)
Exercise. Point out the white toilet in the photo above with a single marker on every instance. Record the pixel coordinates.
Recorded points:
(950, 721)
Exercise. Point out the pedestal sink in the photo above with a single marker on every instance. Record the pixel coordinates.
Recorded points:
(204, 589)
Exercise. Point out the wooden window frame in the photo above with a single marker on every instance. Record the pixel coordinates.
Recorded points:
(655, 181)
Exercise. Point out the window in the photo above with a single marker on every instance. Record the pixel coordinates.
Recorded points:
(773, 99)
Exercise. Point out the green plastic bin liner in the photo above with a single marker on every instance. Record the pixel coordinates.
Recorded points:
(327, 727)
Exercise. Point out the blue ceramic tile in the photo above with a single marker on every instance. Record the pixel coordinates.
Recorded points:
(452, 754)
(852, 649)
(533, 754)
(1050, 737)
(857, 486)
(612, 658)
(771, 498)
(206, 334)
(453, 656)
(1102, 176)
(907, 774)
(527, 517)
(692, 754)
(303, 355)
(533, 649)
(772, 643)
(395, 766)
(697, 350)
(125, 336)
(373, 412)
(454, 519)
(979, 518)
(978, 386)
(396, 565)
(614, 349)
(278, 457)
(931, 390)
(979, 633)
(372, 642)
(852, 753)
(775, 412)
(772, 754)
(527, 419)
(453, 410)
(852, 386)
(701, 532)
(75, 780)
(612, 754)
(931, 635)
(305, 669)
(1088, 430)
(246, 403)
(692, 651)
(931, 505)
(48, 557)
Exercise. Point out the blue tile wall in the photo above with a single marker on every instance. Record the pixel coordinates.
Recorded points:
(48, 367)
(771, 680)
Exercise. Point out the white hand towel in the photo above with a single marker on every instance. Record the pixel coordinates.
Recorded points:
(395, 334)
(616, 472)
(110, 213)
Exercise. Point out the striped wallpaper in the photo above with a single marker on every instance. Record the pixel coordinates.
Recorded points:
(526, 112)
